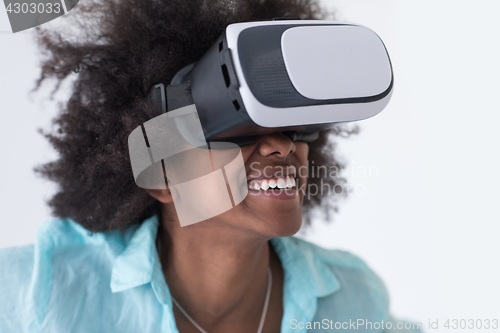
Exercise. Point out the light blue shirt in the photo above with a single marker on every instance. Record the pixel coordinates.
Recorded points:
(69, 281)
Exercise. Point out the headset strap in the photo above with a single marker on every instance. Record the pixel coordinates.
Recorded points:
(171, 97)
(174, 97)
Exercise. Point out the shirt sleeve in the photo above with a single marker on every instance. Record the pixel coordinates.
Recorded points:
(16, 269)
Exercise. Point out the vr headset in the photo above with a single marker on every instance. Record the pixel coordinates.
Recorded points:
(294, 76)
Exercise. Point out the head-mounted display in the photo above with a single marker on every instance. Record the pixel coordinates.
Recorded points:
(292, 76)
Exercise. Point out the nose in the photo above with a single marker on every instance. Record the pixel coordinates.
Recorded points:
(276, 144)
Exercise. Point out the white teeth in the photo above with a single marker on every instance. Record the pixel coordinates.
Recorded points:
(254, 185)
(265, 184)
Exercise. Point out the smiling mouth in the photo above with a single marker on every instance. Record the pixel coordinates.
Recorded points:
(266, 184)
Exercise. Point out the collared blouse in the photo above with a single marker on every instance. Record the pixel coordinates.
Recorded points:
(73, 281)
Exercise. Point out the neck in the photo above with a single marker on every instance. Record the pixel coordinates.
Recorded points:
(217, 273)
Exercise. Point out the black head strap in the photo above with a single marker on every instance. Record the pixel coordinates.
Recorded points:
(177, 96)
(171, 97)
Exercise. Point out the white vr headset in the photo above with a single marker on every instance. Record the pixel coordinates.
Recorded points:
(292, 76)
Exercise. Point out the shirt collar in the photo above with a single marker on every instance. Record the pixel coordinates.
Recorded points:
(307, 277)
(139, 264)
(306, 273)
(136, 264)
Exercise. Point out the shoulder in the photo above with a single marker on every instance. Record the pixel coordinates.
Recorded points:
(16, 265)
(360, 292)
(64, 257)
(58, 245)
(16, 262)
(345, 264)
(16, 269)
(353, 289)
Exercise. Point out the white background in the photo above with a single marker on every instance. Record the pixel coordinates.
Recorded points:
(427, 220)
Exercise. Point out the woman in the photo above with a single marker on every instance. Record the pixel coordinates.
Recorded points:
(118, 260)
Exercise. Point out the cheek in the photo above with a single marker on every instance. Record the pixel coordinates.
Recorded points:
(301, 152)
(246, 152)
(301, 156)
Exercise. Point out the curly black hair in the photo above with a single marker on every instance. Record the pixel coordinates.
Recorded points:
(122, 49)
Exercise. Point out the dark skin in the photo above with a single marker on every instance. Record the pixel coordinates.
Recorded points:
(217, 269)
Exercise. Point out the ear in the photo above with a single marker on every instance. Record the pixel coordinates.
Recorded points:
(163, 196)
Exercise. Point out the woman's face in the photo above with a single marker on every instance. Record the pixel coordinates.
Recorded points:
(275, 177)
(272, 160)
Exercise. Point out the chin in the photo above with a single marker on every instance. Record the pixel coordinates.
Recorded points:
(282, 226)
(271, 217)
